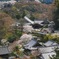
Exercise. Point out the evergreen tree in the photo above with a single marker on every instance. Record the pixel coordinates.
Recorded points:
(56, 15)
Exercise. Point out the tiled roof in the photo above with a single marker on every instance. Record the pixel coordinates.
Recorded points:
(4, 50)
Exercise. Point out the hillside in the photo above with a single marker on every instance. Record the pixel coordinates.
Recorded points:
(38, 10)
(6, 19)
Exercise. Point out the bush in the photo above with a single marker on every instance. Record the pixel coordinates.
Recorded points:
(18, 16)
(11, 38)
(18, 33)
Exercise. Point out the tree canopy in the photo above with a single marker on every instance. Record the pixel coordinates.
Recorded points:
(56, 15)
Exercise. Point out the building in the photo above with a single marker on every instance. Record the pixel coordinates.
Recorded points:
(7, 1)
(12, 57)
(47, 52)
(48, 55)
(26, 38)
(2, 2)
(4, 52)
(50, 43)
(34, 24)
(32, 44)
(27, 28)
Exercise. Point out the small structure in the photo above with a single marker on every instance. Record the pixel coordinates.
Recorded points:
(32, 44)
(50, 43)
(47, 52)
(38, 21)
(45, 22)
(4, 52)
(35, 24)
(30, 21)
(45, 31)
(46, 49)
(2, 2)
(48, 55)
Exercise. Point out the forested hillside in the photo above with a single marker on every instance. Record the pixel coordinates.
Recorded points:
(37, 10)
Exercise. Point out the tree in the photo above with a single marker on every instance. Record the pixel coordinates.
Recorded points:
(56, 15)
(21, 21)
(32, 17)
(18, 33)
(23, 13)
(18, 16)
(2, 30)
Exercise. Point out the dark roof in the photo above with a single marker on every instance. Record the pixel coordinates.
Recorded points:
(36, 26)
(45, 22)
(4, 51)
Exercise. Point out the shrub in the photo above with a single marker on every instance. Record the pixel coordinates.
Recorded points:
(11, 38)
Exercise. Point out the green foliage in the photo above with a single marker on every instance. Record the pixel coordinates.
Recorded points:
(12, 54)
(11, 38)
(23, 14)
(18, 33)
(19, 10)
(50, 37)
(32, 17)
(45, 38)
(57, 39)
(57, 3)
(56, 15)
(16, 48)
(18, 16)
(2, 30)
